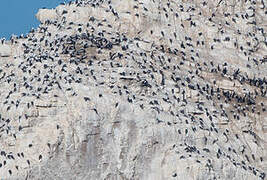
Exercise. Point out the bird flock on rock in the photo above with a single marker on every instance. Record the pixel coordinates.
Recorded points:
(179, 70)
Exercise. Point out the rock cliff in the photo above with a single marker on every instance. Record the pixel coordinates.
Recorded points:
(137, 89)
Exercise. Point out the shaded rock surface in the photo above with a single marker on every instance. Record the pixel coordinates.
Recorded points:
(137, 90)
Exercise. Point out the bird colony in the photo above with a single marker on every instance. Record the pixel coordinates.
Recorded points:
(137, 89)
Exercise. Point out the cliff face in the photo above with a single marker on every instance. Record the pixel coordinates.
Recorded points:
(137, 90)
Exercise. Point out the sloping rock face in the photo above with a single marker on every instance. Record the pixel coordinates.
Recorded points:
(137, 90)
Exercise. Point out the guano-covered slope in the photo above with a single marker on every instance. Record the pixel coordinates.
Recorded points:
(137, 89)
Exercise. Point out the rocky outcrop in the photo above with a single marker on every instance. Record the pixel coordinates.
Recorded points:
(44, 15)
(137, 90)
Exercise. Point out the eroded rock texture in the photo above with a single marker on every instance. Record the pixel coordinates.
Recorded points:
(137, 89)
